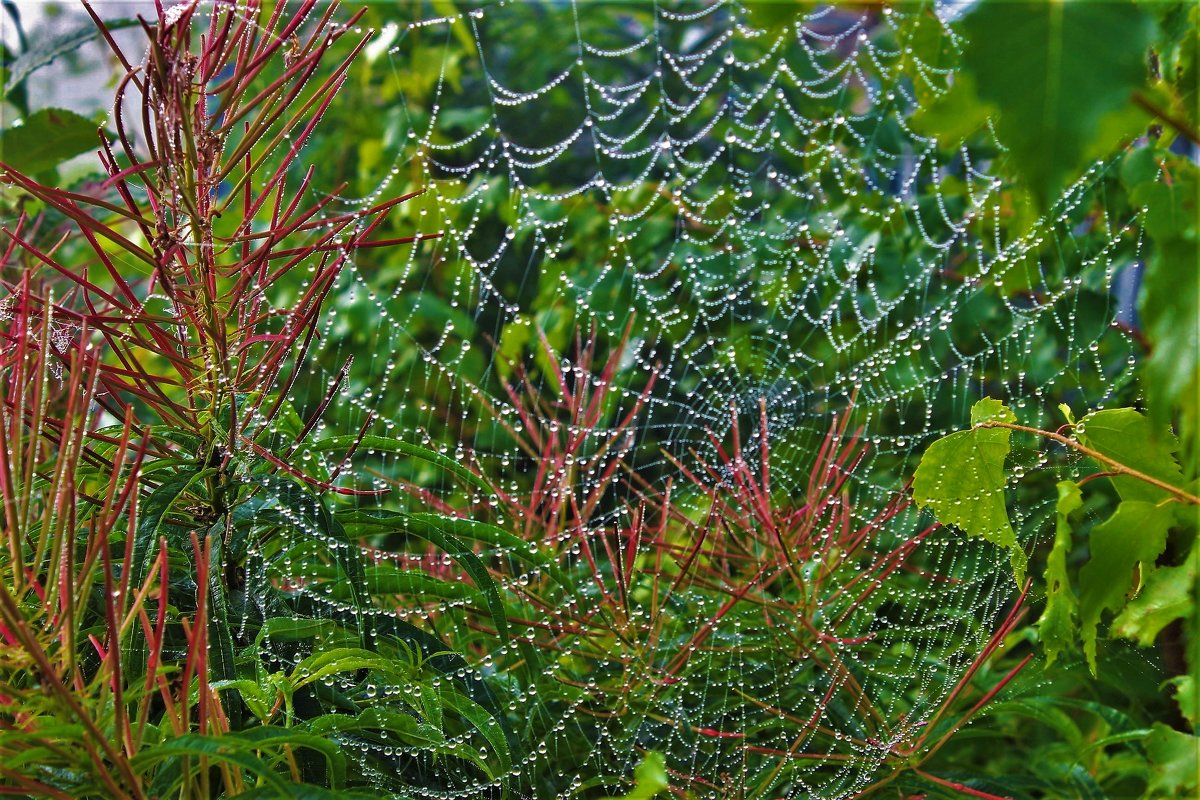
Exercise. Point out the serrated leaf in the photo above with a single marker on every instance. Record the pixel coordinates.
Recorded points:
(1056, 627)
(1169, 594)
(46, 138)
(1129, 438)
(1058, 74)
(1187, 698)
(1174, 766)
(961, 479)
(1131, 538)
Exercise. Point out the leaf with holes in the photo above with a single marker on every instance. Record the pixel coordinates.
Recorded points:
(1056, 627)
(961, 479)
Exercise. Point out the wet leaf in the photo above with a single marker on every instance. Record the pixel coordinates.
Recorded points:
(961, 479)
(1056, 627)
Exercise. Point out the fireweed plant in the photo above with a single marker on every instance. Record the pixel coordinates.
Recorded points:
(226, 573)
(159, 525)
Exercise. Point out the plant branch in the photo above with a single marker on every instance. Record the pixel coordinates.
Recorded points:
(1117, 466)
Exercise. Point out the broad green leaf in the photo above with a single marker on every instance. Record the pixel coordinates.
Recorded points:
(1169, 300)
(1130, 539)
(1059, 74)
(1174, 766)
(1169, 594)
(650, 778)
(1187, 698)
(1129, 438)
(961, 478)
(1056, 627)
(46, 138)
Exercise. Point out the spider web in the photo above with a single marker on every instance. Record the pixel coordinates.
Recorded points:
(758, 244)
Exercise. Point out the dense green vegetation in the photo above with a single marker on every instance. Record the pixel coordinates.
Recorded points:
(883, 483)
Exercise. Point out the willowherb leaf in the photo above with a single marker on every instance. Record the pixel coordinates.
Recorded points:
(50, 48)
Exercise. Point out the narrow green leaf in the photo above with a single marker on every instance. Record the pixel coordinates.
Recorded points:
(220, 648)
(961, 478)
(50, 48)
(1056, 627)
(387, 444)
(439, 531)
(227, 749)
(483, 722)
(151, 525)
(1131, 538)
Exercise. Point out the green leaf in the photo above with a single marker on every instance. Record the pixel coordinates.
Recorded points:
(1131, 538)
(1059, 74)
(1187, 698)
(220, 646)
(650, 778)
(1169, 594)
(961, 478)
(483, 722)
(439, 531)
(386, 444)
(1169, 300)
(46, 138)
(1129, 438)
(774, 15)
(151, 525)
(226, 749)
(1173, 762)
(1056, 627)
(48, 49)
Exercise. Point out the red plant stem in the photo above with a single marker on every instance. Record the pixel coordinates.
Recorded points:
(958, 787)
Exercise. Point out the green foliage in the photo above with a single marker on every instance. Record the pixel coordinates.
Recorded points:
(1060, 77)
(1057, 626)
(1126, 436)
(961, 478)
(45, 138)
(1174, 762)
(1127, 542)
(650, 778)
(200, 578)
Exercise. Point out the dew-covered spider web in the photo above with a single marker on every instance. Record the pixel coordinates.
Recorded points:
(676, 251)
